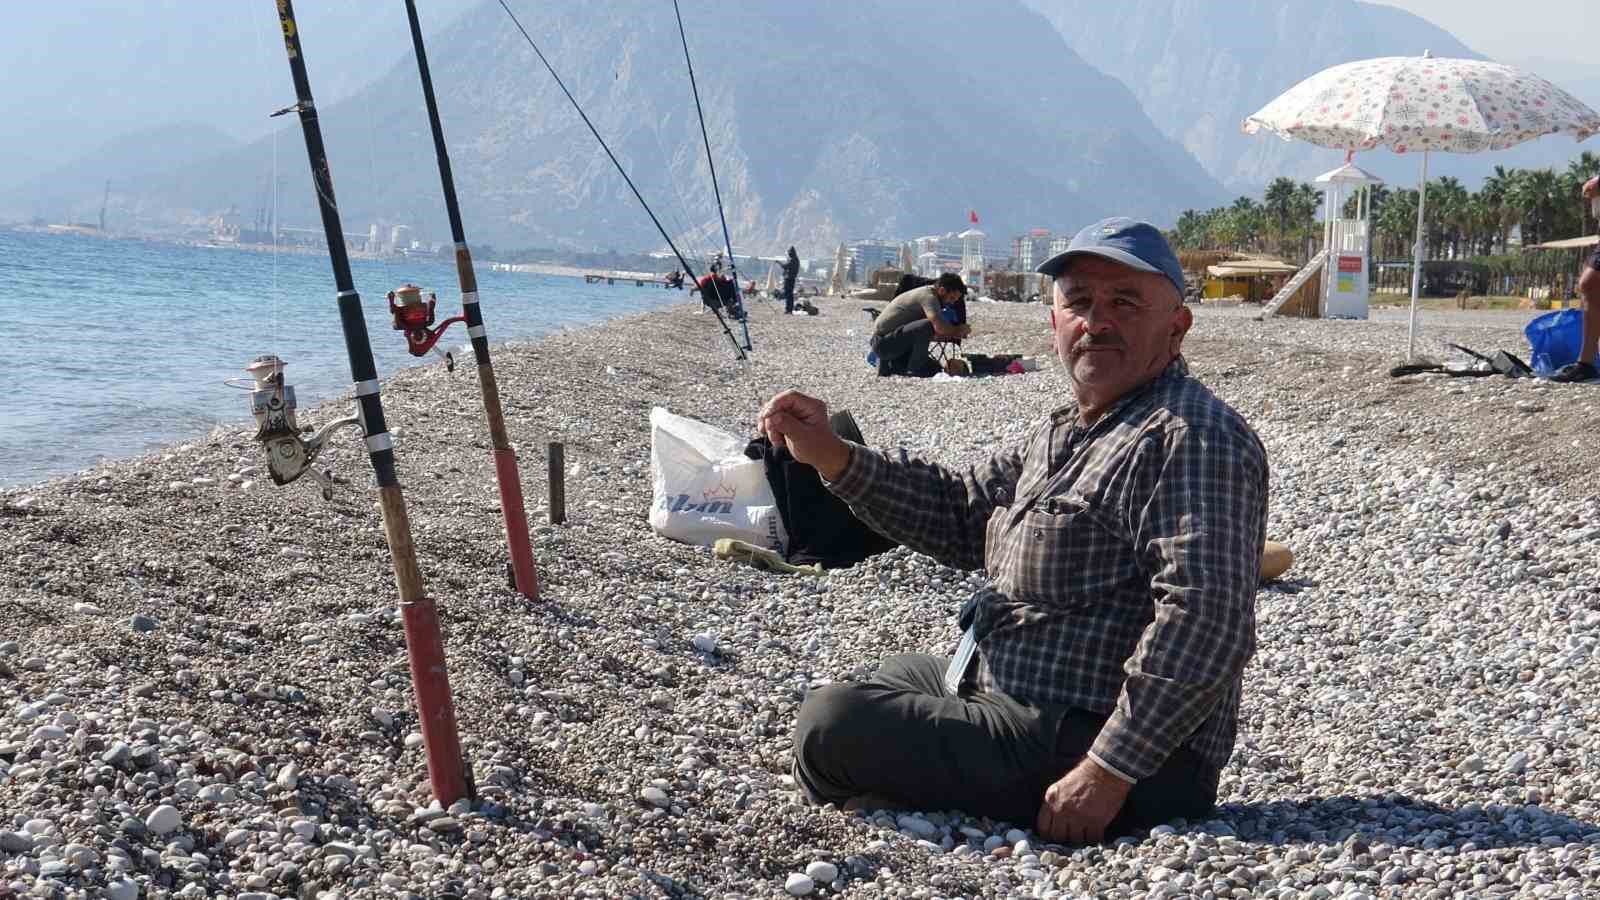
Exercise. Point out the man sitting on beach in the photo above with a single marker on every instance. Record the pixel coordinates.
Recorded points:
(717, 291)
(1095, 691)
(904, 329)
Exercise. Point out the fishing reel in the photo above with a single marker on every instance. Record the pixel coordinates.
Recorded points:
(414, 316)
(289, 453)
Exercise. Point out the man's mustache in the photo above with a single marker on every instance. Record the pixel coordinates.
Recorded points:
(1100, 341)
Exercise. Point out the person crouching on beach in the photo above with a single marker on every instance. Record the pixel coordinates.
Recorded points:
(1095, 690)
(904, 329)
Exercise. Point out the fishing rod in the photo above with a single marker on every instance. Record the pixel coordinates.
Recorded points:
(733, 265)
(512, 508)
(424, 644)
(682, 260)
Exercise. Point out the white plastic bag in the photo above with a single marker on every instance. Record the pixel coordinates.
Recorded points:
(705, 488)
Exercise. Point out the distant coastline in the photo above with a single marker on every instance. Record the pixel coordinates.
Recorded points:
(81, 230)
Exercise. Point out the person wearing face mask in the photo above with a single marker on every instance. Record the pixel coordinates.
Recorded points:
(1095, 689)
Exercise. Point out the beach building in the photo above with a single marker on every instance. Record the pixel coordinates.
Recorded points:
(399, 238)
(1031, 249)
(868, 256)
(1059, 244)
(938, 253)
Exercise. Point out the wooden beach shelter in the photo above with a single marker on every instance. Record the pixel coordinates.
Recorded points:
(1348, 241)
(1557, 284)
(1251, 280)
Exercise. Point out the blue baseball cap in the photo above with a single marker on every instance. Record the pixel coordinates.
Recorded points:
(1137, 245)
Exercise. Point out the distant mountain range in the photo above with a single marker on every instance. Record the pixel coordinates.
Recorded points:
(830, 120)
(1199, 67)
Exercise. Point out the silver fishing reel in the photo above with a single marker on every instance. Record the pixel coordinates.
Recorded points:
(289, 453)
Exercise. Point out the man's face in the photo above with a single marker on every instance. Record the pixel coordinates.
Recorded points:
(945, 296)
(1115, 327)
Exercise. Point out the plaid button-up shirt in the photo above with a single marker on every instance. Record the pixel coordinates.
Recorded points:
(1123, 560)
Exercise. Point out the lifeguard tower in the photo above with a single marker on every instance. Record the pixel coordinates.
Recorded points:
(1347, 241)
(972, 259)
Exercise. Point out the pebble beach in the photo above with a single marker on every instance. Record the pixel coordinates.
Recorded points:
(204, 690)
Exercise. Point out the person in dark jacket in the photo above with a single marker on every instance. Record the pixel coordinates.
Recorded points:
(791, 271)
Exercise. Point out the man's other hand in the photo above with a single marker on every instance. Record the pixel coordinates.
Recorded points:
(801, 423)
(1591, 187)
(1077, 808)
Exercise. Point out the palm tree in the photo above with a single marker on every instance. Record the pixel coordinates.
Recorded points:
(1481, 222)
(1189, 232)
(1535, 196)
(1396, 223)
(1495, 192)
(1278, 203)
(1446, 202)
(1247, 221)
(1303, 215)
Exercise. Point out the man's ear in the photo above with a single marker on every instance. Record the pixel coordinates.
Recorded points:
(1181, 323)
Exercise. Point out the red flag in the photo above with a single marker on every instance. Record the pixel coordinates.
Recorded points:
(973, 215)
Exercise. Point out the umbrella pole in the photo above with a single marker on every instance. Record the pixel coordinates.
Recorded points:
(1416, 260)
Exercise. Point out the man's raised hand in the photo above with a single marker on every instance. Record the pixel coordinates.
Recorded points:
(800, 422)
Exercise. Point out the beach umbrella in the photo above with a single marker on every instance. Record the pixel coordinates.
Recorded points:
(837, 282)
(1419, 103)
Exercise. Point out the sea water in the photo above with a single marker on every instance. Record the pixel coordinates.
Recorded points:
(117, 347)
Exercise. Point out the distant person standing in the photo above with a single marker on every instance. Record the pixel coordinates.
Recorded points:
(791, 271)
(1589, 287)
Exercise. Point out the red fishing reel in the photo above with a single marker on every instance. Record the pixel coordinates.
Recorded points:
(414, 316)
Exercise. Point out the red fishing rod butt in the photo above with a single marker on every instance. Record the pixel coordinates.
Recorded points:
(436, 711)
(516, 519)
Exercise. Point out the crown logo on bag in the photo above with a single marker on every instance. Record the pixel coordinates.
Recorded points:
(723, 491)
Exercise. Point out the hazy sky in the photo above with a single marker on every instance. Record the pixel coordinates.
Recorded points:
(79, 72)
(1555, 30)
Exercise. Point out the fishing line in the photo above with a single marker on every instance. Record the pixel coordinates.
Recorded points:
(733, 266)
(274, 328)
(678, 223)
(277, 295)
(373, 184)
(688, 270)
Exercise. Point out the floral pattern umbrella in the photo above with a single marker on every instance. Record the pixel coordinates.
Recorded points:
(1412, 103)
(1419, 103)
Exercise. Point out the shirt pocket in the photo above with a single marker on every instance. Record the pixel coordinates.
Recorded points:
(1063, 554)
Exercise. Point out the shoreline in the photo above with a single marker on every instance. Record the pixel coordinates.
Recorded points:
(554, 269)
(181, 441)
(1415, 716)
